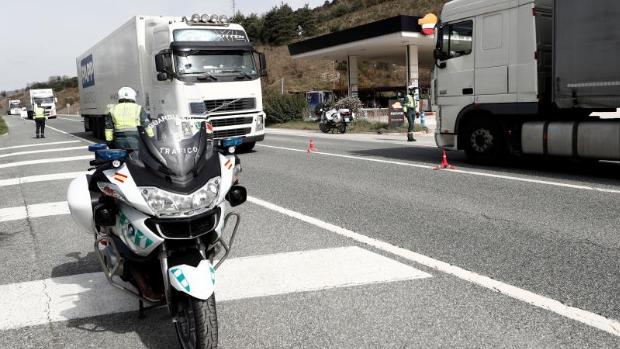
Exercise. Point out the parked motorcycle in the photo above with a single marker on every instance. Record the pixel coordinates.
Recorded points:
(335, 120)
(157, 213)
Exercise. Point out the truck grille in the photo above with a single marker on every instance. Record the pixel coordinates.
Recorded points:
(232, 133)
(231, 121)
(184, 228)
(228, 105)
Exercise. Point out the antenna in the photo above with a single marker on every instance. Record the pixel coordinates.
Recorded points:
(234, 10)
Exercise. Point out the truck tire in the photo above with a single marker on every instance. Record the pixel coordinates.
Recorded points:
(483, 141)
(197, 323)
(247, 147)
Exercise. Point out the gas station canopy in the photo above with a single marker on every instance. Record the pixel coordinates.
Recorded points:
(405, 40)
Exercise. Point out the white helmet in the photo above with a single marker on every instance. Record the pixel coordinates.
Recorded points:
(127, 93)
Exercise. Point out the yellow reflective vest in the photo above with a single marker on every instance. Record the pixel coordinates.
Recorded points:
(124, 116)
(409, 103)
(39, 113)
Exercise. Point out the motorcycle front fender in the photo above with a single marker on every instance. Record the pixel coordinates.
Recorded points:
(198, 282)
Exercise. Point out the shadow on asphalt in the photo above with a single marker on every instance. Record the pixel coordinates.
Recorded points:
(552, 168)
(80, 265)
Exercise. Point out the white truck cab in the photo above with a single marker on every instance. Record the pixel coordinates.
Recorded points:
(15, 107)
(45, 99)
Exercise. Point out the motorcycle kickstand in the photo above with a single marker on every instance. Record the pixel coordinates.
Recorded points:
(141, 312)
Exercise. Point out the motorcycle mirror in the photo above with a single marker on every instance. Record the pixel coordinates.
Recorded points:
(237, 195)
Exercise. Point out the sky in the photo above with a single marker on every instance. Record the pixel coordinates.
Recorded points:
(42, 38)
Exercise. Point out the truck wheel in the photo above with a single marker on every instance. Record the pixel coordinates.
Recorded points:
(483, 141)
(247, 147)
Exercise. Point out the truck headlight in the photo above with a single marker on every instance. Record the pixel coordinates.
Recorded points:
(165, 203)
(260, 123)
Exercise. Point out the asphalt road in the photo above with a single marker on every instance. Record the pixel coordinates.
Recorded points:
(526, 254)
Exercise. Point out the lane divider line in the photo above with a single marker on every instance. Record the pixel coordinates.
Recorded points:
(34, 211)
(39, 178)
(588, 318)
(46, 161)
(70, 119)
(37, 145)
(51, 150)
(87, 295)
(69, 134)
(465, 172)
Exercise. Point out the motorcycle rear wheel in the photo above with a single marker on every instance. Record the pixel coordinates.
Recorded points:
(197, 323)
(342, 128)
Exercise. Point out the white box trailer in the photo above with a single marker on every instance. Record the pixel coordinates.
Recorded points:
(45, 99)
(200, 69)
(15, 107)
(524, 76)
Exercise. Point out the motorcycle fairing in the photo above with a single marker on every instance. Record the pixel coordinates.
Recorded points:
(131, 228)
(122, 178)
(198, 282)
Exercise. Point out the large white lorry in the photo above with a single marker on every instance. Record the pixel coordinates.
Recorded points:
(15, 107)
(45, 99)
(200, 67)
(524, 76)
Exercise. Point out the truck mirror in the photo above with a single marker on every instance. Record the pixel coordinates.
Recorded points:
(161, 76)
(160, 65)
(262, 63)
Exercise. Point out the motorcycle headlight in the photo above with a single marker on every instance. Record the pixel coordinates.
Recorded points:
(165, 203)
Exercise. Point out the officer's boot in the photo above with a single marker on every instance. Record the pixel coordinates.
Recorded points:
(410, 137)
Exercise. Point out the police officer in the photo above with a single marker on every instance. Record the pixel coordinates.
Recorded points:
(123, 119)
(410, 110)
(39, 120)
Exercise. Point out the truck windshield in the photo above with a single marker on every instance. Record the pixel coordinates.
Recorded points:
(46, 100)
(15, 104)
(218, 64)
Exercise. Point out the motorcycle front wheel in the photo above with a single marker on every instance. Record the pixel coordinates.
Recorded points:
(342, 128)
(324, 127)
(196, 324)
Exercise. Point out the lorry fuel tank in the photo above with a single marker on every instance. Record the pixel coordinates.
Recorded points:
(596, 139)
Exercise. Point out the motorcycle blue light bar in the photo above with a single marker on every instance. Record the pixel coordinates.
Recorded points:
(99, 146)
(110, 154)
(232, 142)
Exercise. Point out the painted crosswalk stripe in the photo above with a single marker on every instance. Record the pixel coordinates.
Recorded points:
(86, 295)
(51, 150)
(46, 161)
(38, 145)
(39, 178)
(34, 211)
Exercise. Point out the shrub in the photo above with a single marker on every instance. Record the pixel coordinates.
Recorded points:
(352, 103)
(283, 108)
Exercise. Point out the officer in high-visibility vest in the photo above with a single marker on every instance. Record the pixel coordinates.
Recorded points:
(39, 120)
(123, 119)
(410, 110)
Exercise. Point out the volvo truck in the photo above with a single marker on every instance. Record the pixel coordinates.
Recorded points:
(201, 67)
(526, 76)
(15, 107)
(45, 99)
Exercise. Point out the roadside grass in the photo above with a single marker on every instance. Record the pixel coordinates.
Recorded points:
(358, 126)
(3, 127)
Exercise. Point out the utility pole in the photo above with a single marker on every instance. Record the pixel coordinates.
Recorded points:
(234, 8)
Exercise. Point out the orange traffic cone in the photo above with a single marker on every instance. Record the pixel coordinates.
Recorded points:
(444, 162)
(311, 147)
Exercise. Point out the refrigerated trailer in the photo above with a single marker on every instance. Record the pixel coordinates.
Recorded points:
(525, 76)
(200, 67)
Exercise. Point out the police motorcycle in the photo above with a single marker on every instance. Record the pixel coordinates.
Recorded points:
(334, 120)
(158, 213)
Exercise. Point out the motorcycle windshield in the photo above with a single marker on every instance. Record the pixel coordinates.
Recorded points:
(176, 143)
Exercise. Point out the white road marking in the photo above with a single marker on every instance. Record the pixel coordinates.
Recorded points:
(465, 172)
(40, 178)
(591, 319)
(354, 138)
(37, 145)
(86, 295)
(51, 150)
(34, 211)
(46, 161)
(68, 134)
(82, 121)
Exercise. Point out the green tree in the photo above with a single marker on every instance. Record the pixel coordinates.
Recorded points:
(280, 25)
(306, 19)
